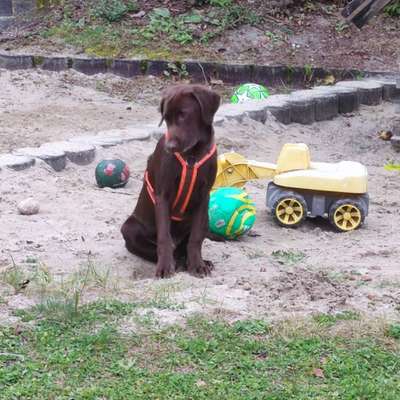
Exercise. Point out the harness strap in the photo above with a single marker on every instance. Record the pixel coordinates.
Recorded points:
(187, 181)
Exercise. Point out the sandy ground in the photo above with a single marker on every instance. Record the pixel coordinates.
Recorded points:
(335, 271)
(39, 106)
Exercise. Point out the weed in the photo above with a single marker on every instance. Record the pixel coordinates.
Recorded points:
(20, 277)
(176, 69)
(272, 36)
(308, 73)
(252, 327)
(113, 10)
(220, 3)
(288, 257)
(163, 299)
(341, 26)
(331, 319)
(394, 331)
(393, 9)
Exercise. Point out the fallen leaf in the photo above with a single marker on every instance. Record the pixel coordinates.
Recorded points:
(392, 167)
(318, 373)
(385, 135)
(329, 80)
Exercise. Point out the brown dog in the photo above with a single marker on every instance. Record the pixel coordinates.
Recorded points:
(170, 221)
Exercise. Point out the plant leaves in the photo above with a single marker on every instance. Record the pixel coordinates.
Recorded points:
(162, 12)
(193, 19)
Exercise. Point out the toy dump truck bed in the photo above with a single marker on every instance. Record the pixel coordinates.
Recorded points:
(343, 177)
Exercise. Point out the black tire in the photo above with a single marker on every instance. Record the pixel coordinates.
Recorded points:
(347, 214)
(297, 207)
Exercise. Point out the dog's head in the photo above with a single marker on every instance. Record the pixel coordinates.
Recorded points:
(188, 111)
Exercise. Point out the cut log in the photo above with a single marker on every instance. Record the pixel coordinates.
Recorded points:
(359, 12)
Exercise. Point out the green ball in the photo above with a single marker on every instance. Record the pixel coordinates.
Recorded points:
(112, 173)
(249, 91)
(231, 212)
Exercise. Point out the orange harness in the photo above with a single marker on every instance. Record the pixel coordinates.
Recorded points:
(186, 184)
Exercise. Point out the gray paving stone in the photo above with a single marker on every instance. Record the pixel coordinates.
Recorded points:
(279, 107)
(14, 62)
(348, 97)
(95, 140)
(132, 133)
(371, 93)
(395, 142)
(231, 111)
(17, 163)
(57, 159)
(302, 108)
(389, 87)
(256, 110)
(78, 153)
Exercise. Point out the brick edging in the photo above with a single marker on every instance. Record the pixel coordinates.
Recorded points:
(197, 70)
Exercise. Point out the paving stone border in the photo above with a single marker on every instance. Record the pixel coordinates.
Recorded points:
(199, 71)
(301, 106)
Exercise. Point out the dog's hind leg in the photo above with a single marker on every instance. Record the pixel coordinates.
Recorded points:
(138, 240)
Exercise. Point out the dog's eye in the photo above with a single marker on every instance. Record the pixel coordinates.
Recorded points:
(181, 115)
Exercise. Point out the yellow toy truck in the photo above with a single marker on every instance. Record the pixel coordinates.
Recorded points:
(301, 188)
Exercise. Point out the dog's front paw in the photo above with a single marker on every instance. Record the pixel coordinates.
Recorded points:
(165, 268)
(201, 268)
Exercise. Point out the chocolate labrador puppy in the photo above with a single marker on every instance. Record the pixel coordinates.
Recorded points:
(170, 221)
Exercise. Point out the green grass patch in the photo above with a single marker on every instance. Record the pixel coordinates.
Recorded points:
(331, 319)
(88, 357)
(288, 257)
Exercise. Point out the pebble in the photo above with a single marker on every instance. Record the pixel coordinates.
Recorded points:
(28, 206)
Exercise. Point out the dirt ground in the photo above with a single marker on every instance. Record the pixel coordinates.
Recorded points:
(315, 35)
(321, 271)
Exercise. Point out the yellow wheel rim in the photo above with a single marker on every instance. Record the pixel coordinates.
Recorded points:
(347, 217)
(289, 211)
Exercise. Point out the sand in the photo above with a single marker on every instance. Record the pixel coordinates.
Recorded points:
(77, 222)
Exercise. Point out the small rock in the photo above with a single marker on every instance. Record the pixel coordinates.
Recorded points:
(139, 14)
(366, 278)
(247, 286)
(28, 206)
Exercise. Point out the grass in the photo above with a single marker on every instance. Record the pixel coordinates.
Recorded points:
(88, 357)
(288, 257)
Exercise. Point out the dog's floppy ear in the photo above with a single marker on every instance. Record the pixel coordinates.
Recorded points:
(209, 102)
(163, 107)
(165, 98)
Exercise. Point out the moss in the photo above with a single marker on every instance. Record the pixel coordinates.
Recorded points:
(38, 61)
(102, 51)
(143, 66)
(46, 3)
(156, 54)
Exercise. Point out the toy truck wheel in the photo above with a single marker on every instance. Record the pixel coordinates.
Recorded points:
(289, 209)
(346, 214)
